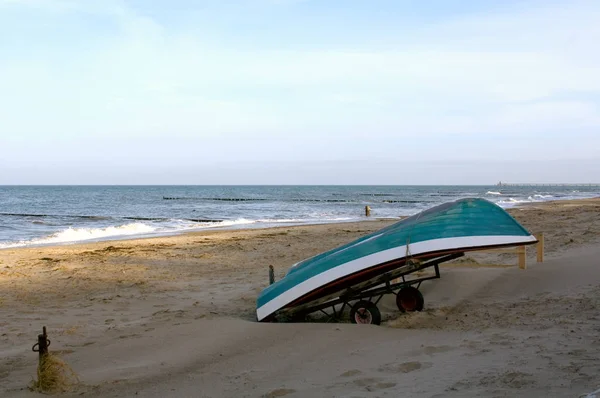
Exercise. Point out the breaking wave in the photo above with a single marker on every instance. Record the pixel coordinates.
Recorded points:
(82, 234)
(142, 229)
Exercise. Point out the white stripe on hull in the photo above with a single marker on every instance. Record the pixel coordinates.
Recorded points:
(371, 260)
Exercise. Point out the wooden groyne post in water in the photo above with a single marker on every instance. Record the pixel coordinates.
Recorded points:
(367, 211)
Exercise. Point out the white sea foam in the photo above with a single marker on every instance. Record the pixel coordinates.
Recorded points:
(226, 223)
(82, 234)
(493, 193)
(74, 235)
(513, 202)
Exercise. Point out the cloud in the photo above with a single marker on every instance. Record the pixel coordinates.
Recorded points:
(521, 73)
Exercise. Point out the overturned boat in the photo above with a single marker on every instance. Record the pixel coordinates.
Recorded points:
(355, 274)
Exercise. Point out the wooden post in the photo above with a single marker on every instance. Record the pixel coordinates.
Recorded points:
(522, 254)
(41, 346)
(271, 275)
(367, 211)
(43, 343)
(540, 247)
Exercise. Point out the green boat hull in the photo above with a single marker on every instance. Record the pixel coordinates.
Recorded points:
(462, 225)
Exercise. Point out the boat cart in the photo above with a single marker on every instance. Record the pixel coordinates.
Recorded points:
(361, 299)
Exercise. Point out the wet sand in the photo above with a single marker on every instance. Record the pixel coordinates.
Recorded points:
(174, 316)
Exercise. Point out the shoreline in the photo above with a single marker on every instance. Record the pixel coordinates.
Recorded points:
(510, 210)
(195, 232)
(368, 224)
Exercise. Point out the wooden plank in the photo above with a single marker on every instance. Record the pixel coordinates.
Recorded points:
(513, 250)
(520, 251)
(473, 264)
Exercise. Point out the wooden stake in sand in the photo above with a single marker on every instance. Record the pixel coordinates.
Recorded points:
(271, 275)
(522, 257)
(54, 375)
(540, 247)
(367, 211)
(42, 344)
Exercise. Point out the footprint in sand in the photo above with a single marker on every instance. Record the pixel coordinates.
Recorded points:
(350, 373)
(430, 350)
(369, 383)
(510, 378)
(373, 383)
(126, 336)
(437, 349)
(279, 392)
(405, 367)
(500, 339)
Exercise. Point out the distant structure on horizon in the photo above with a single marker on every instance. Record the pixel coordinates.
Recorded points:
(546, 184)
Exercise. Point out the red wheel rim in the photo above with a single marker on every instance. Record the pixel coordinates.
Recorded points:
(409, 303)
(363, 316)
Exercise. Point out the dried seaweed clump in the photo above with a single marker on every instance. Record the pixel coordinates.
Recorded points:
(54, 375)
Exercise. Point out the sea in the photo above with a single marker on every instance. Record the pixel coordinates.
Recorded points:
(60, 215)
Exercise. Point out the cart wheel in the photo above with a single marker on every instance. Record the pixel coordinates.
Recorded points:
(410, 299)
(365, 313)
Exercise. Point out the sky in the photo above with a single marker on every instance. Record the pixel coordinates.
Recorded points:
(299, 91)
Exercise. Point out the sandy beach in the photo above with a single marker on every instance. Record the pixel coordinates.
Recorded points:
(175, 316)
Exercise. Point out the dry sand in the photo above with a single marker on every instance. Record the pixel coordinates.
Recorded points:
(174, 316)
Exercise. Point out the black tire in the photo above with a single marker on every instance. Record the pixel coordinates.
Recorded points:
(410, 299)
(365, 313)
